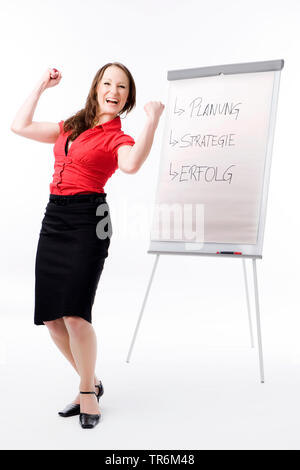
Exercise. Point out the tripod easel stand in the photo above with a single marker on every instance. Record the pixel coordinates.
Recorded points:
(257, 311)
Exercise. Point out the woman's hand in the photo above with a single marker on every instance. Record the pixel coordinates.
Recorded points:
(50, 78)
(154, 110)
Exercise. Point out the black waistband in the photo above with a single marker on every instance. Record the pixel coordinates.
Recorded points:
(69, 199)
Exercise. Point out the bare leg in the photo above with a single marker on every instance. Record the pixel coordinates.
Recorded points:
(60, 336)
(83, 344)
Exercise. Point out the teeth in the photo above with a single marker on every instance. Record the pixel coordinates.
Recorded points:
(112, 101)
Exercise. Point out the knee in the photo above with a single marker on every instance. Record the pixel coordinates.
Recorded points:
(75, 325)
(56, 327)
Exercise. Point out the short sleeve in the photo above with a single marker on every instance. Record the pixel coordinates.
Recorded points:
(122, 139)
(61, 126)
(119, 141)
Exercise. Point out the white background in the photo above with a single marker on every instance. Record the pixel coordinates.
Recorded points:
(193, 379)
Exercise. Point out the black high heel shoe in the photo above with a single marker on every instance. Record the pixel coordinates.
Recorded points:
(88, 420)
(100, 390)
(73, 409)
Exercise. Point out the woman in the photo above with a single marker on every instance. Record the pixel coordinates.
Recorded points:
(73, 241)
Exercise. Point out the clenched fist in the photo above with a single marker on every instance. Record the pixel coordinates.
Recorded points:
(154, 110)
(50, 78)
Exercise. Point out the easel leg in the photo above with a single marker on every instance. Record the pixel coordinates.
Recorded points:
(143, 306)
(258, 323)
(248, 303)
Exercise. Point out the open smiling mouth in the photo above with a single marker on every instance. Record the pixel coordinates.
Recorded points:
(114, 102)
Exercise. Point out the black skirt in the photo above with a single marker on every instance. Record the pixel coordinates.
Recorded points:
(72, 248)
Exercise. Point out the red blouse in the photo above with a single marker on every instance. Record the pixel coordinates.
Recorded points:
(91, 159)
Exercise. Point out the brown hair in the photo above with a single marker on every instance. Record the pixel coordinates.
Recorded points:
(87, 117)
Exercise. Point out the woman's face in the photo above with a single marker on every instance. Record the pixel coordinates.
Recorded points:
(112, 92)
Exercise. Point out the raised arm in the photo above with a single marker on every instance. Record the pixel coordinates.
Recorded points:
(130, 159)
(24, 126)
